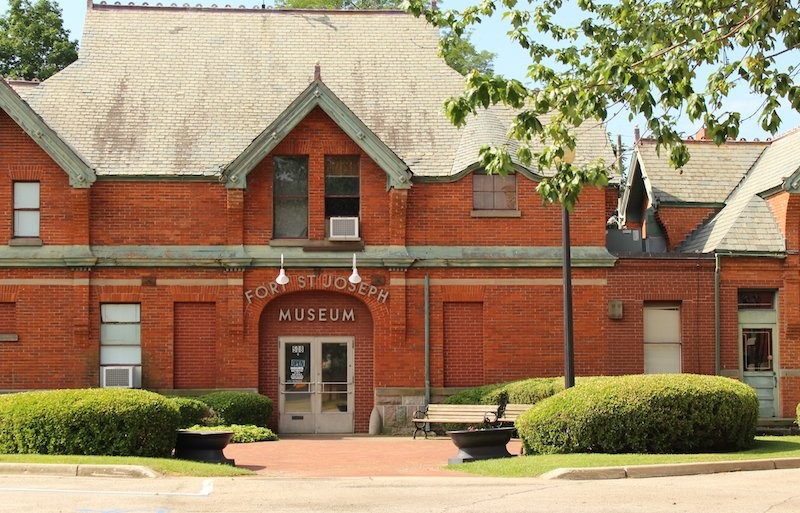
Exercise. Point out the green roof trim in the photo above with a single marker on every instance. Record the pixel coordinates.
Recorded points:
(315, 95)
(248, 257)
(79, 172)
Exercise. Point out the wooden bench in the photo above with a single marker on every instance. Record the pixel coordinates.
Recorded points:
(513, 411)
(453, 414)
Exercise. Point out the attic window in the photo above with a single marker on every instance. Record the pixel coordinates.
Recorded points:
(494, 192)
(290, 197)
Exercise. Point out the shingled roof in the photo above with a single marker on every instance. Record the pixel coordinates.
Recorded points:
(709, 176)
(171, 91)
(747, 223)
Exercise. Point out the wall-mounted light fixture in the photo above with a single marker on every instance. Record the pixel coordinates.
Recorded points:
(282, 279)
(354, 278)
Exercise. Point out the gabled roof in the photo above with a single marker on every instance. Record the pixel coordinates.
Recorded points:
(184, 91)
(709, 176)
(317, 95)
(195, 92)
(80, 174)
(746, 223)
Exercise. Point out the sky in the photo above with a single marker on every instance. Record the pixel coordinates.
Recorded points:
(510, 61)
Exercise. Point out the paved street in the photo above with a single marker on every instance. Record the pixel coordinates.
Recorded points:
(776, 491)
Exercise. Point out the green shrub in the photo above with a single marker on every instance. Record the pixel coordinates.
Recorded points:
(114, 422)
(669, 413)
(242, 434)
(192, 411)
(526, 391)
(239, 407)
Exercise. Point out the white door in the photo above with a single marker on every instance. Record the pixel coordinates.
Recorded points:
(759, 359)
(316, 385)
(662, 338)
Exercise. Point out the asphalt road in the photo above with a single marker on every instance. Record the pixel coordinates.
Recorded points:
(774, 491)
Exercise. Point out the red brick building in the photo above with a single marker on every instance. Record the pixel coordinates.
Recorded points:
(155, 189)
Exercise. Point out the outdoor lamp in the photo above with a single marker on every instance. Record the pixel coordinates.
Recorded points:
(354, 278)
(282, 279)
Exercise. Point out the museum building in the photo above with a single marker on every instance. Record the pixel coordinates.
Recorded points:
(273, 200)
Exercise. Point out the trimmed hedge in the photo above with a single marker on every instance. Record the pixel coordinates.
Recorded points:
(192, 411)
(526, 391)
(668, 413)
(239, 407)
(114, 422)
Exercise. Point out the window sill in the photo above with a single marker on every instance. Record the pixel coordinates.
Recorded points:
(288, 243)
(7, 337)
(496, 213)
(25, 241)
(319, 245)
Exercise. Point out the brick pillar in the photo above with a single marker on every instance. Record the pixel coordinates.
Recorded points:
(398, 202)
(234, 222)
(80, 216)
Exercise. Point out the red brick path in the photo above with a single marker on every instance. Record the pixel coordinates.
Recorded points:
(349, 456)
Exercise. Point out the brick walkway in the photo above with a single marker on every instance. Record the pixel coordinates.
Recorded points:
(349, 456)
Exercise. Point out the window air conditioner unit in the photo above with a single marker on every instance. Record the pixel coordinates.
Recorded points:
(344, 228)
(116, 376)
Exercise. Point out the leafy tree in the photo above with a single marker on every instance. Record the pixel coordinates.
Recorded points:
(460, 54)
(33, 41)
(663, 60)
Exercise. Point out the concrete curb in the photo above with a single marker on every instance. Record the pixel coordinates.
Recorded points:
(65, 469)
(676, 469)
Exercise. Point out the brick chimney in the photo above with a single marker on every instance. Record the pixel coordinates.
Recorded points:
(636, 135)
(701, 135)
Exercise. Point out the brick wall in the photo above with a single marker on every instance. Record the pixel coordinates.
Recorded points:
(195, 348)
(463, 344)
(679, 222)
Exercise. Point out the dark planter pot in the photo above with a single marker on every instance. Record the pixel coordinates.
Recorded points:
(203, 446)
(480, 444)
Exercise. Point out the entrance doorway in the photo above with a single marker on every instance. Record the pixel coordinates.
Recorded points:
(316, 391)
(758, 366)
(759, 347)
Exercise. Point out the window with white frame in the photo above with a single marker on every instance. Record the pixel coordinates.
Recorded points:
(662, 338)
(120, 334)
(26, 209)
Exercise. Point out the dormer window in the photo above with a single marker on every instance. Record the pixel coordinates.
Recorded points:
(290, 197)
(342, 186)
(342, 197)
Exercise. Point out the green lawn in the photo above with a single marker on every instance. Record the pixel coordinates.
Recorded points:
(767, 447)
(167, 466)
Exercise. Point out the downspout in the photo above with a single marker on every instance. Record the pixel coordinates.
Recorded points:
(427, 340)
(717, 269)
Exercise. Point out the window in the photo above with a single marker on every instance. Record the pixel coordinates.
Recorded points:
(120, 336)
(756, 300)
(342, 186)
(662, 338)
(26, 209)
(290, 197)
(494, 192)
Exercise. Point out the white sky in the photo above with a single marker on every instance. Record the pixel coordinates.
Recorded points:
(511, 60)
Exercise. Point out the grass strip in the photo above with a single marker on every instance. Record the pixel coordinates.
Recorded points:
(766, 447)
(167, 466)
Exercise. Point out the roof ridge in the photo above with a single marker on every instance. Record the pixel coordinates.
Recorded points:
(106, 5)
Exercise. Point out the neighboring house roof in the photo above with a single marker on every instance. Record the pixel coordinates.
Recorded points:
(709, 177)
(184, 91)
(746, 223)
(80, 174)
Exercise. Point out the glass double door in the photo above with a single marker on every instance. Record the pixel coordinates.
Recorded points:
(316, 385)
